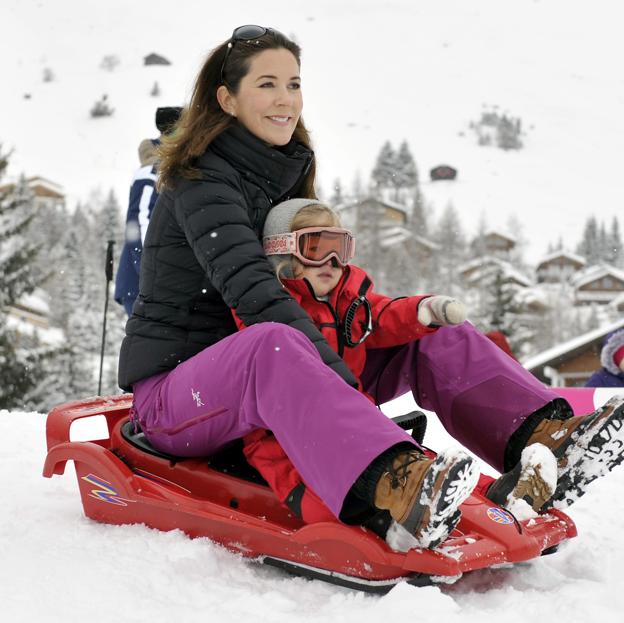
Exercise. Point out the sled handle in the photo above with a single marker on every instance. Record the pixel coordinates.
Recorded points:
(61, 418)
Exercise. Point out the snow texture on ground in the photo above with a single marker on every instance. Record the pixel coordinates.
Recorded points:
(59, 566)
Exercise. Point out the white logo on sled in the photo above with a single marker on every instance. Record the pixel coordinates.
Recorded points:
(197, 398)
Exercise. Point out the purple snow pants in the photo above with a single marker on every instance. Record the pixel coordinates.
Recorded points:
(271, 376)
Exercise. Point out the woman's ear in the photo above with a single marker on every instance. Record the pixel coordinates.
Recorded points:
(226, 101)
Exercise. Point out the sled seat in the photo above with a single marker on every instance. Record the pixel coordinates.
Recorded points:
(229, 460)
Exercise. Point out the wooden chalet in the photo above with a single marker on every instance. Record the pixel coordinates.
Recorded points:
(559, 266)
(481, 268)
(598, 285)
(46, 193)
(572, 363)
(498, 243)
(442, 172)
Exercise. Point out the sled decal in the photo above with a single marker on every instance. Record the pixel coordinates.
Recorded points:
(498, 515)
(105, 491)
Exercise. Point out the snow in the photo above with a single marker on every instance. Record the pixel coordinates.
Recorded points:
(58, 566)
(372, 71)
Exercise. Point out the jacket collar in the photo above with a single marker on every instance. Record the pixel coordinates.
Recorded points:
(277, 170)
(348, 287)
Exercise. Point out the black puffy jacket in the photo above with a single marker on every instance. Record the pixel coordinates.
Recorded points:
(202, 257)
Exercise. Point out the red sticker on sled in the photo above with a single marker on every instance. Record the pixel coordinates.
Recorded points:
(498, 515)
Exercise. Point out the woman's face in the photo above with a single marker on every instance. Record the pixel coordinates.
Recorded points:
(269, 100)
(323, 279)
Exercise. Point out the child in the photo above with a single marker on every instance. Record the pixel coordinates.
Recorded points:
(612, 359)
(311, 254)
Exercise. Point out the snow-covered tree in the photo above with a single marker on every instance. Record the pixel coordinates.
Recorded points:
(615, 253)
(19, 368)
(383, 173)
(369, 216)
(589, 247)
(451, 254)
(405, 180)
(337, 196)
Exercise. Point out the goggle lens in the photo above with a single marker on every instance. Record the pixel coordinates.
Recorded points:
(320, 245)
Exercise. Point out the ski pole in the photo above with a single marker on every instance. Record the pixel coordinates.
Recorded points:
(108, 269)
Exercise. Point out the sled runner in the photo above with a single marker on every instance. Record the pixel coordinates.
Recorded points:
(123, 480)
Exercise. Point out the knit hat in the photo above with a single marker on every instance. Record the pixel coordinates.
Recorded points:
(279, 221)
(613, 352)
(167, 117)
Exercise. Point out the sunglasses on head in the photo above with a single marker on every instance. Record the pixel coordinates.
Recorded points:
(313, 246)
(242, 33)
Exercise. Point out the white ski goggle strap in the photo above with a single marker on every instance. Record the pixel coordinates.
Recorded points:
(313, 246)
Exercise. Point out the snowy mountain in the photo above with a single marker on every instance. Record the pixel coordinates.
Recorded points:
(372, 71)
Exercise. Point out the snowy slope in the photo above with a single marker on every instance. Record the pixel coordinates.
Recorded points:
(371, 71)
(58, 566)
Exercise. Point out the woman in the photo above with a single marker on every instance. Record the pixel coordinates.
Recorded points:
(240, 147)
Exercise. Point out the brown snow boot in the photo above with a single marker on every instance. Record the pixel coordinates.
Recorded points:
(586, 447)
(533, 480)
(424, 495)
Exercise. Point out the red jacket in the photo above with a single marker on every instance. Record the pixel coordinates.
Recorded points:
(394, 321)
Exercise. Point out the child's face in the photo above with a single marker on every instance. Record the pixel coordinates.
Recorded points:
(323, 279)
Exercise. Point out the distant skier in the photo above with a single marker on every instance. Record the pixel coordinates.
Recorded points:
(143, 197)
(612, 359)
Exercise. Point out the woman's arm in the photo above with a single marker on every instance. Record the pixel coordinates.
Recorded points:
(215, 221)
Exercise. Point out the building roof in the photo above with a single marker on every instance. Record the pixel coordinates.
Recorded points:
(51, 189)
(573, 257)
(481, 264)
(494, 232)
(568, 350)
(597, 272)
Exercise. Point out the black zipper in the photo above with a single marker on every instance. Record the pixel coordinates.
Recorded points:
(334, 313)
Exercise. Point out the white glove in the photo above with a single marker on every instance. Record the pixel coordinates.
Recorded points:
(441, 310)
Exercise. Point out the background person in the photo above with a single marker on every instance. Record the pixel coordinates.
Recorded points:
(142, 199)
(612, 359)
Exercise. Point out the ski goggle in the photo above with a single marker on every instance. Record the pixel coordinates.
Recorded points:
(248, 32)
(313, 246)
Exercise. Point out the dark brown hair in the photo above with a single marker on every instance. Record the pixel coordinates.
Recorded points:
(203, 119)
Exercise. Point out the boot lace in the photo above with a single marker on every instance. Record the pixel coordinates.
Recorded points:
(398, 474)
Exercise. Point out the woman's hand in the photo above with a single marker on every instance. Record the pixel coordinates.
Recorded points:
(440, 311)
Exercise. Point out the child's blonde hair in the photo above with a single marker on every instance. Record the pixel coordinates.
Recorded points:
(315, 215)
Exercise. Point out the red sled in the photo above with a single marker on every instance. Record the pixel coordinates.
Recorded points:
(123, 480)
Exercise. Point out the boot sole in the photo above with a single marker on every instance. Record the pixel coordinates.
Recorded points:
(433, 517)
(596, 451)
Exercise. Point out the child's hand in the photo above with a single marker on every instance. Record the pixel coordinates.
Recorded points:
(440, 311)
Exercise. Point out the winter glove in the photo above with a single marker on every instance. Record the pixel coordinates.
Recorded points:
(440, 311)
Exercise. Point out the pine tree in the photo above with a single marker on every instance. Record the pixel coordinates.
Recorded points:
(603, 244)
(337, 198)
(384, 171)
(19, 369)
(406, 173)
(421, 214)
(615, 250)
(358, 191)
(369, 216)
(76, 365)
(589, 246)
(451, 254)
